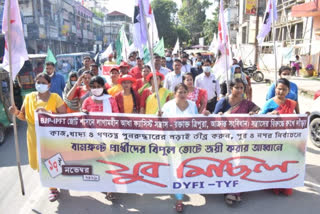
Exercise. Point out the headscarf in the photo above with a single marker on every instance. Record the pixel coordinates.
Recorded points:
(243, 76)
(74, 103)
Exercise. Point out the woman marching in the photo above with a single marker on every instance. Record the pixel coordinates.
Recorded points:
(100, 101)
(40, 101)
(197, 95)
(81, 90)
(179, 107)
(71, 105)
(128, 100)
(148, 101)
(235, 103)
(143, 83)
(280, 104)
(113, 87)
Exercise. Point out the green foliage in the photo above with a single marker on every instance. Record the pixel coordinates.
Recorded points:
(164, 12)
(98, 13)
(192, 16)
(210, 27)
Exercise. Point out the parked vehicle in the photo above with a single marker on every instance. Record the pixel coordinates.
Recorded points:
(253, 73)
(314, 128)
(29, 71)
(5, 116)
(69, 62)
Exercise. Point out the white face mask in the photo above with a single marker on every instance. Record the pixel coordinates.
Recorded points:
(133, 63)
(288, 77)
(206, 69)
(97, 91)
(42, 88)
(73, 82)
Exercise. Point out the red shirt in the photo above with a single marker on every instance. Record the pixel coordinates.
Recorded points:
(90, 106)
(80, 92)
(135, 72)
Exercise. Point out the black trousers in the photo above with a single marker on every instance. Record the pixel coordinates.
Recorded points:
(211, 105)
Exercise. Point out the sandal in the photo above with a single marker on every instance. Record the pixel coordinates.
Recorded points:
(110, 196)
(53, 195)
(179, 207)
(232, 199)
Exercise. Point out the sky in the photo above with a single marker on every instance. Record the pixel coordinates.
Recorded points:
(126, 6)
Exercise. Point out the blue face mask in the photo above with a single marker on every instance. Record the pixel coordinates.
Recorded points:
(198, 64)
(73, 82)
(168, 59)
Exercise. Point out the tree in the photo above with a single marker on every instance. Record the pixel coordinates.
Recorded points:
(210, 27)
(192, 16)
(164, 12)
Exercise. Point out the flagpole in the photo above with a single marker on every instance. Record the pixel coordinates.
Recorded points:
(12, 100)
(152, 58)
(274, 45)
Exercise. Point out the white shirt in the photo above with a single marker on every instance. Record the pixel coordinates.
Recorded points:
(171, 80)
(171, 109)
(164, 70)
(185, 68)
(208, 83)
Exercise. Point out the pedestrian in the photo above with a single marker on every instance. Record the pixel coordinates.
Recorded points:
(285, 72)
(179, 107)
(57, 80)
(124, 68)
(208, 81)
(113, 85)
(236, 72)
(169, 61)
(148, 100)
(132, 61)
(173, 78)
(86, 65)
(163, 62)
(235, 104)
(158, 67)
(40, 101)
(81, 90)
(197, 95)
(136, 71)
(71, 105)
(94, 68)
(143, 83)
(128, 100)
(186, 68)
(197, 69)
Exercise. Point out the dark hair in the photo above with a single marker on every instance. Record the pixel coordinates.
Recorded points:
(156, 56)
(283, 81)
(163, 57)
(45, 76)
(94, 65)
(185, 75)
(233, 82)
(147, 66)
(177, 60)
(284, 68)
(185, 55)
(50, 63)
(180, 85)
(100, 81)
(208, 60)
(88, 72)
(87, 57)
(73, 74)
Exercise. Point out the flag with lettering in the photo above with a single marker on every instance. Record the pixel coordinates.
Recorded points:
(269, 17)
(14, 31)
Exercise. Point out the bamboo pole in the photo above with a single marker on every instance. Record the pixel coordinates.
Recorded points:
(152, 58)
(12, 99)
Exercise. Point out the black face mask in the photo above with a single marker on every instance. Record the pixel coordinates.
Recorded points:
(184, 63)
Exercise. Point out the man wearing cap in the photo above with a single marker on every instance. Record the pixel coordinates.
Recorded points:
(186, 68)
(124, 68)
(174, 78)
(86, 65)
(158, 67)
(136, 72)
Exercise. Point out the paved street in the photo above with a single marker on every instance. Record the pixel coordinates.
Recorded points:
(304, 200)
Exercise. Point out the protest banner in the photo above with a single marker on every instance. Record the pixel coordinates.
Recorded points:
(148, 154)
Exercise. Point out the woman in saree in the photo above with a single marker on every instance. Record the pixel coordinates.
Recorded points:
(143, 83)
(113, 87)
(148, 101)
(279, 104)
(81, 90)
(235, 103)
(197, 95)
(40, 101)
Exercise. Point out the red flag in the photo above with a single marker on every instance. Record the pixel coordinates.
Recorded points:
(19, 52)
